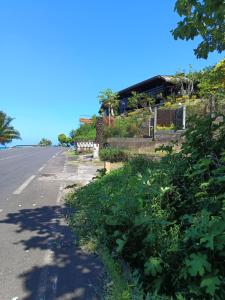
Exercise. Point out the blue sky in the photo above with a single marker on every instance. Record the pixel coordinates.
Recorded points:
(56, 55)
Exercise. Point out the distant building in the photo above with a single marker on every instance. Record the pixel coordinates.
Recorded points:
(86, 121)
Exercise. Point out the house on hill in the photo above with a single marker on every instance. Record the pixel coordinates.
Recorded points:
(158, 87)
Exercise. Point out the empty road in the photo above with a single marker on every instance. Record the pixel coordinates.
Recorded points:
(37, 255)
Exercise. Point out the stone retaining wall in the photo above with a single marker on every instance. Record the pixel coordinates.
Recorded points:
(146, 144)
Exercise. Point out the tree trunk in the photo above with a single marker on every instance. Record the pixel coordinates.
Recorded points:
(212, 106)
(109, 114)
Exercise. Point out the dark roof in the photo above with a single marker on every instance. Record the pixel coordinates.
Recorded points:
(166, 78)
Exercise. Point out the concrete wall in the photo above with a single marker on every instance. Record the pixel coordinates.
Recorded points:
(130, 143)
(168, 135)
(145, 144)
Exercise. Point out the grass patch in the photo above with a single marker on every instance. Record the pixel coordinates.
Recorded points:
(117, 286)
(71, 154)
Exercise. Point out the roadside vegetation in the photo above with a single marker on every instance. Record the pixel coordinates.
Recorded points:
(163, 223)
(112, 155)
(64, 140)
(159, 226)
(129, 125)
(85, 133)
(7, 132)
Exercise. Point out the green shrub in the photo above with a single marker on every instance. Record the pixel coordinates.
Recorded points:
(84, 133)
(165, 220)
(113, 155)
(129, 126)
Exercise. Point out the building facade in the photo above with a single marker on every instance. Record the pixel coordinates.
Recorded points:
(158, 87)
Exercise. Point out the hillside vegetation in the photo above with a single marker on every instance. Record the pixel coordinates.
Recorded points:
(162, 222)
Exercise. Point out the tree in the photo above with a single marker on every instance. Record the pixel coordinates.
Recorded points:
(45, 142)
(185, 83)
(133, 100)
(110, 100)
(86, 132)
(64, 140)
(140, 99)
(212, 85)
(205, 18)
(7, 132)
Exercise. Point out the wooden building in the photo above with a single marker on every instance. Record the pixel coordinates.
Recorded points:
(158, 87)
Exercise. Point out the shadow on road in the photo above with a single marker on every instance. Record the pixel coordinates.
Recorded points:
(68, 273)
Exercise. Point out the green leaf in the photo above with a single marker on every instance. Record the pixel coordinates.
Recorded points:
(211, 283)
(179, 297)
(197, 264)
(216, 229)
(153, 266)
(120, 245)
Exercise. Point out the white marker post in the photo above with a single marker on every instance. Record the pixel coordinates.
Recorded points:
(96, 151)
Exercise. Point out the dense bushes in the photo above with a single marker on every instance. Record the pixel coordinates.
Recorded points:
(165, 220)
(86, 132)
(128, 126)
(113, 155)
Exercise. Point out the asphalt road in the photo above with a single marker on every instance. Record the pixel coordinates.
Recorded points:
(16, 165)
(38, 259)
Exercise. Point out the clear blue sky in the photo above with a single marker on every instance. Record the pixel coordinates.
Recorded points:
(56, 55)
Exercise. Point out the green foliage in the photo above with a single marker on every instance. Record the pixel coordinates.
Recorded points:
(212, 85)
(140, 99)
(45, 142)
(166, 219)
(153, 266)
(118, 287)
(7, 132)
(171, 127)
(211, 284)
(202, 18)
(110, 100)
(84, 133)
(197, 264)
(64, 140)
(205, 90)
(112, 155)
(128, 126)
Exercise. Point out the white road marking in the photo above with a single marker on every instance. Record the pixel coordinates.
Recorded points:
(15, 298)
(1, 210)
(24, 185)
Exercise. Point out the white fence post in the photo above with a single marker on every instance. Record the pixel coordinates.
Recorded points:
(184, 118)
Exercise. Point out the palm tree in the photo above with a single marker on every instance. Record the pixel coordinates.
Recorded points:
(7, 132)
(109, 100)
